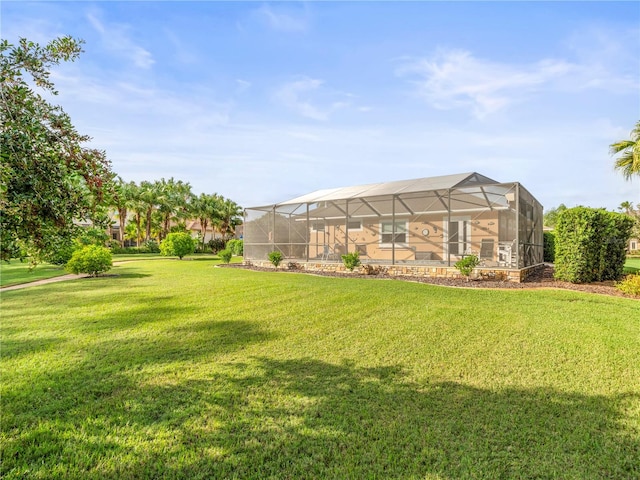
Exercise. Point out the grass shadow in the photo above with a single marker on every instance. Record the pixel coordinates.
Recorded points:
(12, 347)
(131, 275)
(305, 418)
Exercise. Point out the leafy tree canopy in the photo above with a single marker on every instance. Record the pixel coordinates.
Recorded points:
(550, 217)
(47, 177)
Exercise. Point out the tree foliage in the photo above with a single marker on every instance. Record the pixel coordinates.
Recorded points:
(628, 209)
(628, 161)
(47, 177)
(551, 216)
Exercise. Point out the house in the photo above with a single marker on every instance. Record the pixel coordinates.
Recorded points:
(429, 222)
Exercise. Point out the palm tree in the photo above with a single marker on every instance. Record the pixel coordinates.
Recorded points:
(123, 200)
(206, 209)
(626, 207)
(148, 196)
(230, 218)
(173, 198)
(138, 208)
(629, 160)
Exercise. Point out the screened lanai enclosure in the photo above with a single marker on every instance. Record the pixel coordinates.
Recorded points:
(426, 221)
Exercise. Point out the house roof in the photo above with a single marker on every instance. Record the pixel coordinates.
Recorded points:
(391, 188)
(464, 192)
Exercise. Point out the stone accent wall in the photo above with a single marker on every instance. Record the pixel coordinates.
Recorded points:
(489, 273)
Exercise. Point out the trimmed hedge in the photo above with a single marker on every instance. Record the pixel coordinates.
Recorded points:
(590, 245)
(549, 239)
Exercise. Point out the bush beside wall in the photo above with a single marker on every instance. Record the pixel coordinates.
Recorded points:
(236, 246)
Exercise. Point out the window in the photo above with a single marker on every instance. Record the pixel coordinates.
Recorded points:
(354, 224)
(387, 232)
(458, 235)
(317, 226)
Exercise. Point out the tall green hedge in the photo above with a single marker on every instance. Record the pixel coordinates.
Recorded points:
(590, 245)
(549, 252)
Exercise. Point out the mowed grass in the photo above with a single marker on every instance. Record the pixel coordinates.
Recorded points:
(632, 265)
(176, 369)
(17, 272)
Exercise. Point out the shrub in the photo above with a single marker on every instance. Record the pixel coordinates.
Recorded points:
(630, 285)
(150, 246)
(275, 257)
(216, 244)
(549, 239)
(91, 259)
(590, 245)
(467, 264)
(178, 244)
(225, 255)
(236, 246)
(351, 260)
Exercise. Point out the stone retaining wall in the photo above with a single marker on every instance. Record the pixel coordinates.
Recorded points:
(488, 273)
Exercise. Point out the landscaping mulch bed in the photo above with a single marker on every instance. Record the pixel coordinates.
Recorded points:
(543, 279)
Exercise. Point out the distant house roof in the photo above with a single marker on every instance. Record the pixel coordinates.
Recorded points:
(391, 188)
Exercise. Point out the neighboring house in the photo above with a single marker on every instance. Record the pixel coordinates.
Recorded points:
(194, 227)
(426, 221)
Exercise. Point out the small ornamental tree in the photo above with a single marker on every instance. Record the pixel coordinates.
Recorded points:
(225, 255)
(467, 264)
(351, 260)
(92, 260)
(178, 244)
(275, 257)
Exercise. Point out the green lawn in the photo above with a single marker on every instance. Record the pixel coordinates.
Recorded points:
(18, 272)
(632, 265)
(180, 370)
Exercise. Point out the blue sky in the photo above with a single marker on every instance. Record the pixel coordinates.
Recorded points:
(262, 102)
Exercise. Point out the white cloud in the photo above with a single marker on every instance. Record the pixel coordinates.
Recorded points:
(242, 85)
(116, 39)
(455, 78)
(283, 21)
(311, 99)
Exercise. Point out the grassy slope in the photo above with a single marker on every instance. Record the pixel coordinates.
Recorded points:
(180, 370)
